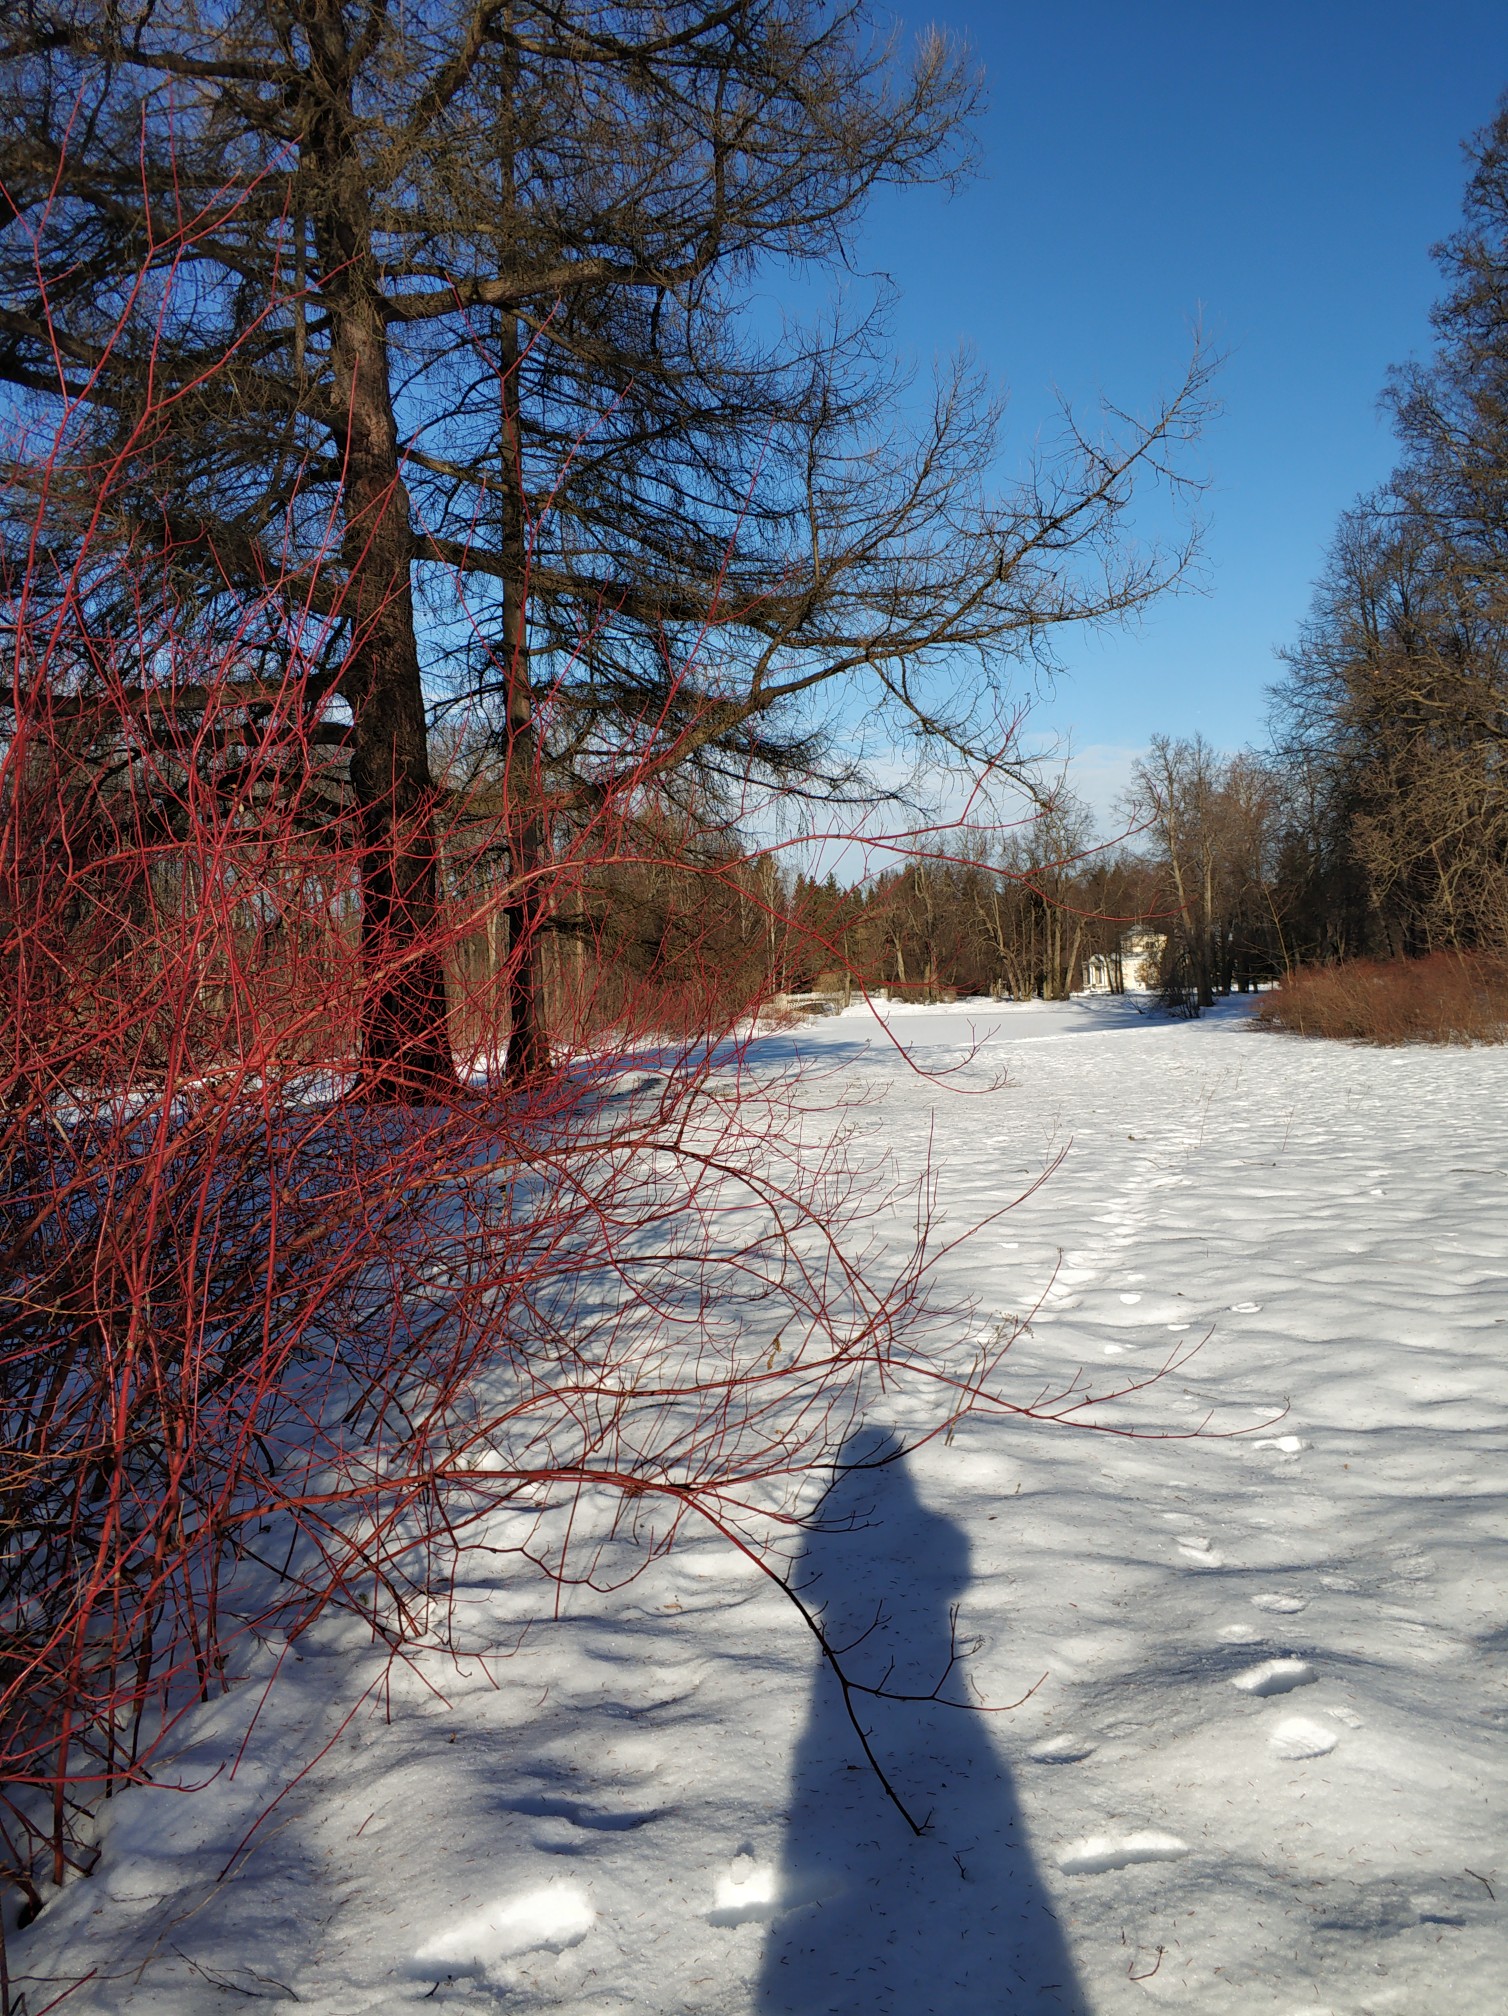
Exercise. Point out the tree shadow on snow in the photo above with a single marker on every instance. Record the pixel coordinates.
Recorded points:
(874, 1920)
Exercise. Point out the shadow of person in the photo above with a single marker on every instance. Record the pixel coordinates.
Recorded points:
(872, 1918)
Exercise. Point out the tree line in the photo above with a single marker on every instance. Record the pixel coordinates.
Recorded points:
(1375, 822)
(1197, 899)
(1392, 713)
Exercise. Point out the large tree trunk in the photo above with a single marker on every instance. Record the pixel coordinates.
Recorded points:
(405, 1042)
(528, 832)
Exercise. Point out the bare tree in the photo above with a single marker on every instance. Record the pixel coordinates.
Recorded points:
(484, 277)
(1394, 705)
(1173, 793)
(1215, 830)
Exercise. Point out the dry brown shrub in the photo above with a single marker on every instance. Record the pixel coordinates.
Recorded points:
(1449, 997)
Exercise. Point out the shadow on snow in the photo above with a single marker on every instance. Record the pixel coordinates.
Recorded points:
(956, 1923)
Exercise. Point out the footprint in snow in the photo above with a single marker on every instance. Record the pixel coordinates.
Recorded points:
(1245, 1308)
(579, 1814)
(546, 1920)
(1296, 1737)
(1099, 1852)
(1280, 1602)
(1275, 1676)
(746, 1893)
(1407, 1565)
(1198, 1551)
(1286, 1445)
(1062, 1750)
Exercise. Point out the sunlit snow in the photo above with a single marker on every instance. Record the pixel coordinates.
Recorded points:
(655, 1803)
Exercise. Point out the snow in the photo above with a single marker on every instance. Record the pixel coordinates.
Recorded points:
(547, 1920)
(655, 1803)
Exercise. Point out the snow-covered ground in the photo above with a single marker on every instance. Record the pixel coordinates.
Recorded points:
(1263, 1771)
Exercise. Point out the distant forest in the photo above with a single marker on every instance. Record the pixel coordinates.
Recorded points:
(1376, 822)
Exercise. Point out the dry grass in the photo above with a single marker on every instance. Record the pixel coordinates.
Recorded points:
(1447, 998)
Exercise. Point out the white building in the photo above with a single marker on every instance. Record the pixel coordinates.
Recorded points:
(1136, 963)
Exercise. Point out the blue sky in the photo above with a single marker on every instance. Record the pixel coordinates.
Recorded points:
(1274, 171)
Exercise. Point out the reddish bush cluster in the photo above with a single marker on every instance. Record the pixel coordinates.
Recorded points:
(281, 1330)
(386, 1167)
(1449, 997)
(267, 1346)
